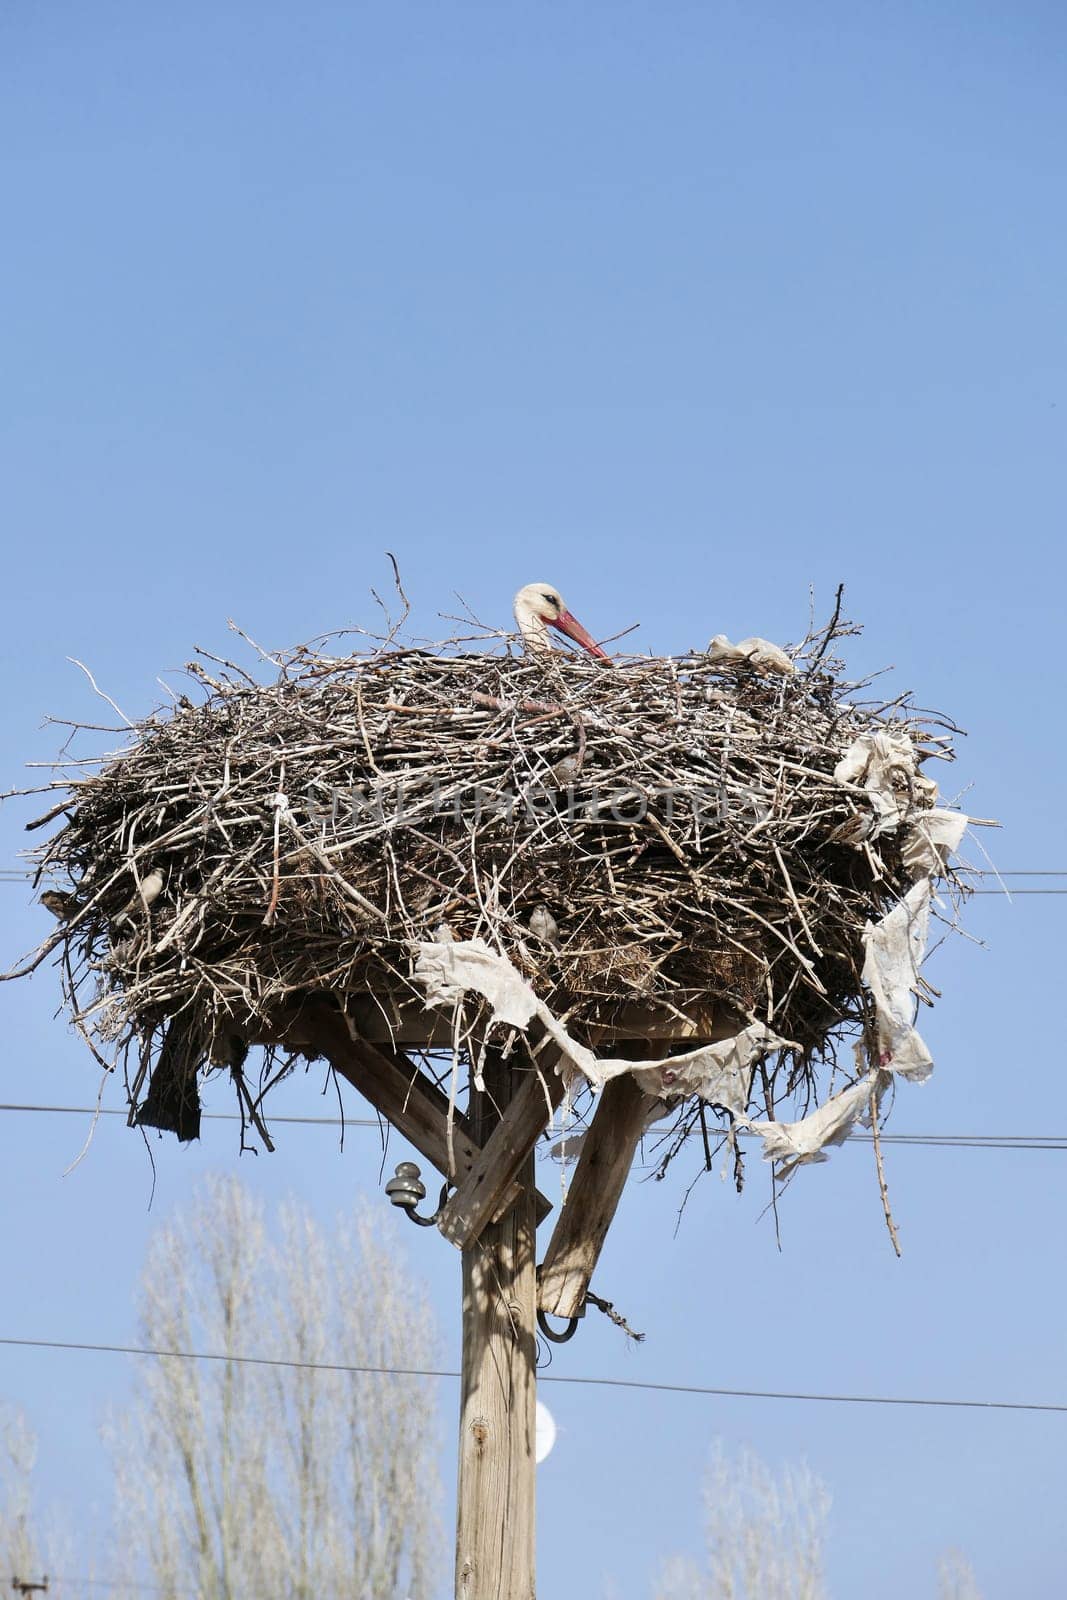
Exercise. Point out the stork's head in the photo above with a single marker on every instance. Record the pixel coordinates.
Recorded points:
(540, 606)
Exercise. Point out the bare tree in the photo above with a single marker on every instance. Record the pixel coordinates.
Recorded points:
(956, 1577)
(20, 1551)
(279, 1482)
(763, 1535)
(32, 1547)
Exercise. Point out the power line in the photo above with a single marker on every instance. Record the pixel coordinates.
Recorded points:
(585, 1381)
(962, 1141)
(970, 1141)
(205, 1116)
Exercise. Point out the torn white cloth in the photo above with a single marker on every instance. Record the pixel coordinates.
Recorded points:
(758, 653)
(720, 1073)
(931, 839)
(797, 1142)
(875, 759)
(885, 765)
(895, 947)
(450, 969)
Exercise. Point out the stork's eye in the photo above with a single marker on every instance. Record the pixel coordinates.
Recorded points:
(552, 599)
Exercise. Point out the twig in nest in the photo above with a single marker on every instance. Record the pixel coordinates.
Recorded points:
(97, 689)
(704, 1136)
(399, 589)
(830, 630)
(281, 804)
(494, 703)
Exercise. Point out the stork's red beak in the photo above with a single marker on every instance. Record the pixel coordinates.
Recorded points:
(574, 630)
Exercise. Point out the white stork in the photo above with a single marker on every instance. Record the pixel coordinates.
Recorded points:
(540, 606)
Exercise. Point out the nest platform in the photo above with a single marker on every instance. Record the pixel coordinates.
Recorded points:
(660, 855)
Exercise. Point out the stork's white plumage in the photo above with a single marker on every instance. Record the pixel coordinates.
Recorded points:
(540, 606)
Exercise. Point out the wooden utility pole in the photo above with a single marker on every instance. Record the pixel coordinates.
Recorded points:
(491, 1216)
(495, 1511)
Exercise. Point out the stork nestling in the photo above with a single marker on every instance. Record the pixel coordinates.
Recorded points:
(540, 606)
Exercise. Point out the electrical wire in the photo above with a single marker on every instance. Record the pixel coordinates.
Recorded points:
(585, 1381)
(962, 1141)
(205, 1116)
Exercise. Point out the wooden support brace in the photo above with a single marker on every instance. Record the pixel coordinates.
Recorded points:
(484, 1192)
(604, 1164)
(398, 1090)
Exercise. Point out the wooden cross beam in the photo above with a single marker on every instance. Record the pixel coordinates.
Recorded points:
(604, 1164)
(403, 1095)
(483, 1193)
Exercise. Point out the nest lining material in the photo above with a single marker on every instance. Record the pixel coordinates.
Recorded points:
(706, 838)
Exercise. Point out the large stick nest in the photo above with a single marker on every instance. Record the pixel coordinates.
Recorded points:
(677, 820)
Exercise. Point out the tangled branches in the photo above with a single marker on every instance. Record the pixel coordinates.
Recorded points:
(662, 838)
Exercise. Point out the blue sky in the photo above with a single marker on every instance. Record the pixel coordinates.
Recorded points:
(685, 308)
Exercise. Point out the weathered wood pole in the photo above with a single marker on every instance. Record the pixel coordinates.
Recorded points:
(495, 1525)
